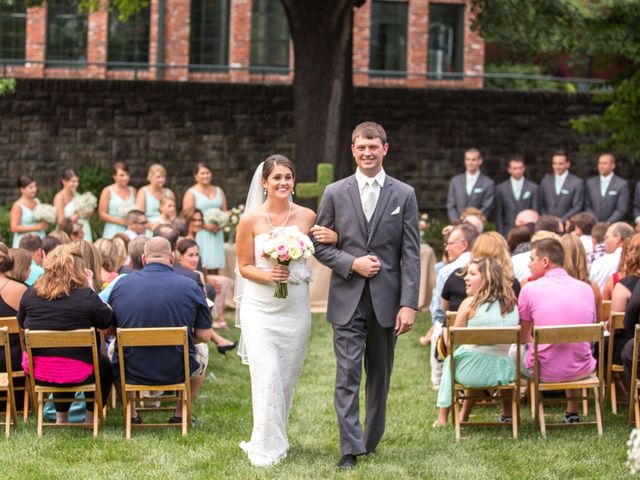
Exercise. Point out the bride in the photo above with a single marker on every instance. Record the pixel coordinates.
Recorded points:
(275, 331)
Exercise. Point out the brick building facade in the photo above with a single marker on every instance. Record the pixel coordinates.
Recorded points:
(406, 43)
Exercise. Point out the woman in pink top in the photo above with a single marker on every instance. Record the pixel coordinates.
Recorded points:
(63, 299)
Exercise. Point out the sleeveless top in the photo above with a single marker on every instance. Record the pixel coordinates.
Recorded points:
(488, 315)
(116, 203)
(28, 220)
(211, 244)
(70, 210)
(152, 204)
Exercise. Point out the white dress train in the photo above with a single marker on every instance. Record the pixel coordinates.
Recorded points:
(275, 333)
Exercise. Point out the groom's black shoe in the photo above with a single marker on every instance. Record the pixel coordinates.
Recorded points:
(347, 461)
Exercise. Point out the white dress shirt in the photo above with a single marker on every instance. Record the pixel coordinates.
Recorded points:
(364, 183)
(520, 262)
(604, 183)
(560, 181)
(605, 266)
(516, 186)
(436, 311)
(471, 180)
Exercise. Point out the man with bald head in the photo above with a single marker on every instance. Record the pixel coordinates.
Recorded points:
(607, 196)
(157, 297)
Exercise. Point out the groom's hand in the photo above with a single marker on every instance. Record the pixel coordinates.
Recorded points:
(404, 320)
(367, 266)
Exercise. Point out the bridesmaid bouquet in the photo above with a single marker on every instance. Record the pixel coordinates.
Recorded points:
(217, 216)
(283, 246)
(86, 204)
(45, 212)
(126, 208)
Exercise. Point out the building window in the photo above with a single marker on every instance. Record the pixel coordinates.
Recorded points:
(129, 40)
(446, 41)
(66, 34)
(269, 36)
(13, 28)
(388, 45)
(209, 35)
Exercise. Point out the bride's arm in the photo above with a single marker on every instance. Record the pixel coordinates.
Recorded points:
(245, 255)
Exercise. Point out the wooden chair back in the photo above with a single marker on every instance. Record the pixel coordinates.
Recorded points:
(155, 337)
(606, 309)
(634, 404)
(13, 327)
(616, 322)
(35, 339)
(6, 384)
(450, 318)
(485, 336)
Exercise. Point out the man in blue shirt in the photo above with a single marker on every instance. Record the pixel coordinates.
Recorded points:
(157, 297)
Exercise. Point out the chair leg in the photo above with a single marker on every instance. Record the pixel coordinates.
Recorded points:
(185, 418)
(40, 407)
(532, 401)
(636, 408)
(515, 410)
(96, 412)
(632, 401)
(456, 418)
(7, 418)
(543, 426)
(585, 402)
(613, 395)
(25, 403)
(127, 415)
(598, 407)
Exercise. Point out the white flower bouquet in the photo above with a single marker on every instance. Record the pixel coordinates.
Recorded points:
(45, 212)
(283, 246)
(86, 204)
(234, 219)
(217, 216)
(633, 454)
(126, 208)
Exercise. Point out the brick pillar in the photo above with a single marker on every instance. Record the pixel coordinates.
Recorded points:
(177, 32)
(97, 43)
(417, 44)
(361, 37)
(36, 41)
(153, 39)
(473, 53)
(240, 40)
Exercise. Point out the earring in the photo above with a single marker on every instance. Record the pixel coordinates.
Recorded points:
(292, 192)
(264, 192)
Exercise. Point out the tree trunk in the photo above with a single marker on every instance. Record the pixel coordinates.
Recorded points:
(322, 34)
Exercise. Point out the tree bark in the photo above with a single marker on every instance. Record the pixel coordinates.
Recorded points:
(322, 35)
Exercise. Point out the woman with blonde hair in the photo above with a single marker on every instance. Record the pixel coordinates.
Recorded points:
(92, 261)
(491, 303)
(111, 259)
(149, 197)
(575, 264)
(63, 299)
(21, 265)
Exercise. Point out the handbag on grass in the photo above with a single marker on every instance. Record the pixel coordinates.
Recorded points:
(77, 412)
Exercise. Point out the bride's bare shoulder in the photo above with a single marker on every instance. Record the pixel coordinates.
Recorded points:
(305, 213)
(252, 215)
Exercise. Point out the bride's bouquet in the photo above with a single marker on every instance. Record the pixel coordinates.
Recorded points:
(283, 246)
(45, 212)
(86, 204)
(217, 216)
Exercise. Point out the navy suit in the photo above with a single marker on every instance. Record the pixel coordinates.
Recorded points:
(613, 206)
(569, 201)
(481, 196)
(507, 207)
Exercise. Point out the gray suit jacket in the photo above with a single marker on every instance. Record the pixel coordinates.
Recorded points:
(393, 238)
(570, 200)
(481, 196)
(636, 202)
(613, 207)
(507, 207)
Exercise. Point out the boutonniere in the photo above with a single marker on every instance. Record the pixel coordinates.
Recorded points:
(477, 190)
(564, 191)
(526, 194)
(613, 192)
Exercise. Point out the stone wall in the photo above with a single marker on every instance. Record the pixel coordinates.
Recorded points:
(51, 124)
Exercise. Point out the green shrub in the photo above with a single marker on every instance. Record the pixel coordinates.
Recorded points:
(5, 230)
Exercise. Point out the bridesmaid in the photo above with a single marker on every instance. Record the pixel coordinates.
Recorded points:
(149, 196)
(21, 219)
(204, 196)
(115, 197)
(65, 205)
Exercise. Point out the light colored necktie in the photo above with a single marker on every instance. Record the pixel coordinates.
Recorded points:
(558, 185)
(517, 190)
(470, 183)
(369, 199)
(603, 187)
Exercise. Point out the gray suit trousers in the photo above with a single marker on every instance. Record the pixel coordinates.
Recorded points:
(362, 337)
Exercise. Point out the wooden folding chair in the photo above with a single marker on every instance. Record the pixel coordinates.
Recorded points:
(11, 323)
(616, 323)
(595, 381)
(155, 337)
(606, 309)
(35, 339)
(484, 336)
(450, 318)
(6, 384)
(634, 405)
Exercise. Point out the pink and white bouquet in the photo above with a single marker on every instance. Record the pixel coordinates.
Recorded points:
(286, 245)
(45, 212)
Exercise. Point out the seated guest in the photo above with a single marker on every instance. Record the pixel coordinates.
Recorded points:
(172, 236)
(607, 265)
(552, 291)
(491, 303)
(21, 265)
(63, 299)
(519, 240)
(33, 244)
(615, 277)
(527, 218)
(170, 300)
(521, 260)
(60, 236)
(597, 237)
(73, 228)
(575, 265)
(631, 319)
(136, 224)
(581, 225)
(92, 260)
(549, 223)
(49, 243)
(491, 245)
(474, 217)
(136, 250)
(10, 294)
(112, 260)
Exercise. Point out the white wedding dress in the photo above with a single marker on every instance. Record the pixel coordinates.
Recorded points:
(275, 333)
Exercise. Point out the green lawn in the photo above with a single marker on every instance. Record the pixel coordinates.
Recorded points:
(409, 449)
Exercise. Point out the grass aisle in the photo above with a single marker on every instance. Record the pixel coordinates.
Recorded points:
(409, 449)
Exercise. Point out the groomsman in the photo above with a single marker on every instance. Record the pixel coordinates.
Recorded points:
(514, 195)
(470, 189)
(607, 195)
(561, 193)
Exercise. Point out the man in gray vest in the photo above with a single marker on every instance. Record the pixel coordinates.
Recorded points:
(470, 189)
(607, 195)
(514, 195)
(561, 193)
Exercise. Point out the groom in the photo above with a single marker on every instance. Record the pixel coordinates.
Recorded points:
(374, 284)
